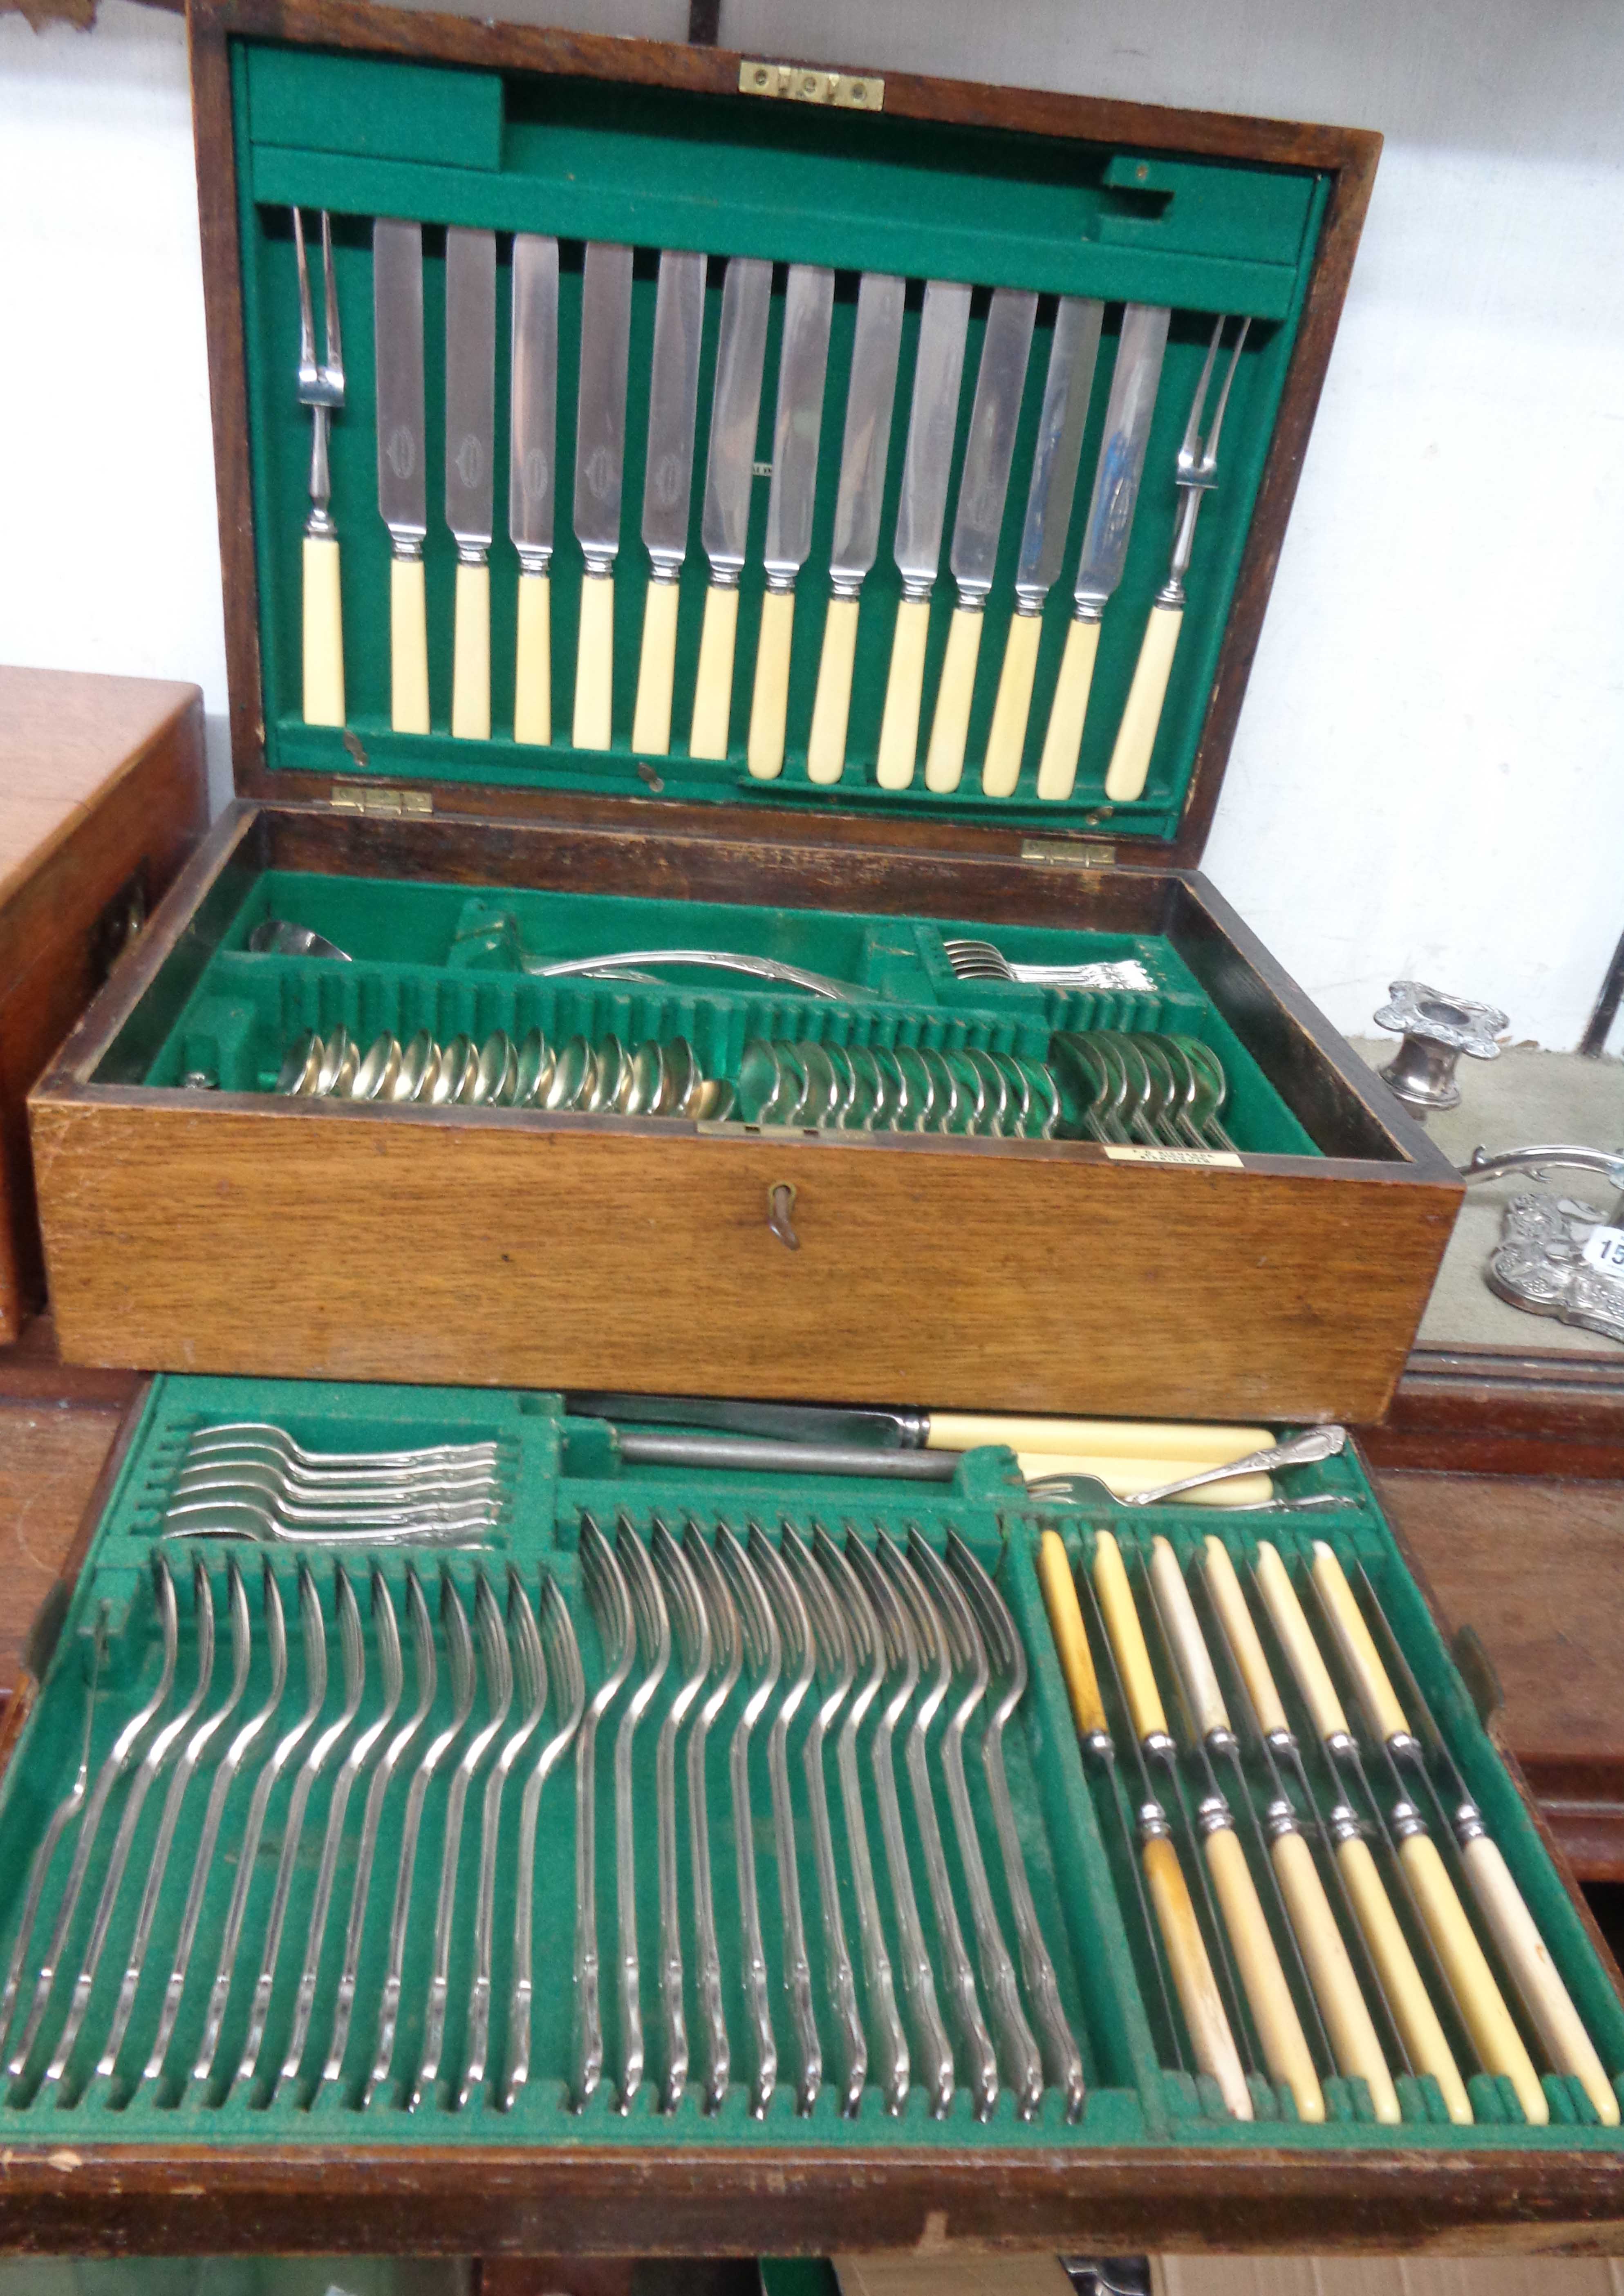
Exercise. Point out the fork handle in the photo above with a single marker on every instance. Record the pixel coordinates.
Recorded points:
(471, 656)
(408, 647)
(1130, 760)
(1062, 744)
(323, 633)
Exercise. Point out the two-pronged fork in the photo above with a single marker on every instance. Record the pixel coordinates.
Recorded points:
(1196, 470)
(321, 389)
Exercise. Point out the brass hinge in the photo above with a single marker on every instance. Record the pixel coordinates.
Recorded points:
(805, 83)
(387, 804)
(1069, 852)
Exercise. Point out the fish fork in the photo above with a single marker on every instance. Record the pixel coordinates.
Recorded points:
(228, 1434)
(981, 960)
(321, 389)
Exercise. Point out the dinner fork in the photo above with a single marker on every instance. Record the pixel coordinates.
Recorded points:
(981, 960)
(321, 389)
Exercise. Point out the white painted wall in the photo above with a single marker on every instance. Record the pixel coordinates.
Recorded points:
(1428, 773)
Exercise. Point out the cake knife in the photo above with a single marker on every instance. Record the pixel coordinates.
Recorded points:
(803, 360)
(532, 462)
(402, 490)
(471, 424)
(679, 313)
(600, 457)
(735, 409)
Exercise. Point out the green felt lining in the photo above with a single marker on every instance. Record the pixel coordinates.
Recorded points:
(1071, 1834)
(662, 168)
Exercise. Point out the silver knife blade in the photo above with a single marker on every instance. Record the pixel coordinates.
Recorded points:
(600, 415)
(735, 410)
(679, 316)
(532, 453)
(1068, 386)
(870, 397)
(798, 1422)
(470, 383)
(398, 333)
(932, 422)
(1128, 427)
(991, 449)
(803, 360)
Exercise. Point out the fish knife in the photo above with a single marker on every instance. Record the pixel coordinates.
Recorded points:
(1134, 384)
(1072, 358)
(470, 424)
(679, 314)
(402, 489)
(982, 487)
(600, 461)
(735, 409)
(870, 397)
(803, 360)
(939, 367)
(532, 459)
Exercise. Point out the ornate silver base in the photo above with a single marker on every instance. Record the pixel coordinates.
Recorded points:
(1539, 1264)
(1437, 1029)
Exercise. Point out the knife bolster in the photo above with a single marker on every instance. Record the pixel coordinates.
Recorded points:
(471, 655)
(832, 706)
(656, 668)
(323, 633)
(1006, 741)
(1130, 759)
(770, 701)
(713, 683)
(533, 659)
(408, 646)
(1062, 744)
(904, 691)
(950, 725)
(595, 661)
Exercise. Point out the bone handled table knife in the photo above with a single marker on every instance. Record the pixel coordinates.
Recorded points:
(803, 360)
(1196, 471)
(735, 409)
(402, 489)
(1072, 356)
(679, 314)
(599, 460)
(321, 389)
(982, 487)
(470, 425)
(532, 460)
(1133, 383)
(870, 395)
(939, 367)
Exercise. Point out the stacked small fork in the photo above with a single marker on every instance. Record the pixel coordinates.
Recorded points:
(252, 1481)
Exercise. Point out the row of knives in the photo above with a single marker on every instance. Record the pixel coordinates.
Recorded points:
(599, 448)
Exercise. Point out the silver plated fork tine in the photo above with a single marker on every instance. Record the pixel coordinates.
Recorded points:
(333, 363)
(529, 1671)
(800, 1662)
(307, 321)
(568, 1685)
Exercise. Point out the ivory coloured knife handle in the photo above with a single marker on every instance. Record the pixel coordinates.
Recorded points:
(1185, 1640)
(1358, 1650)
(1286, 1614)
(1285, 2050)
(471, 656)
(1062, 742)
(1348, 2021)
(1130, 759)
(1144, 1705)
(713, 683)
(904, 694)
(1126, 1477)
(769, 705)
(1197, 1988)
(323, 632)
(656, 671)
(1242, 1636)
(1165, 1439)
(1406, 1996)
(594, 663)
(831, 704)
(956, 690)
(408, 647)
(1527, 1956)
(1477, 1996)
(1006, 738)
(1070, 1636)
(533, 662)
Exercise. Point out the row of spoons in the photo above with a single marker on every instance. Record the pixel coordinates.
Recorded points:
(1162, 1091)
(591, 1077)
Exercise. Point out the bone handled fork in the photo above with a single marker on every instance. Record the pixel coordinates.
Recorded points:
(1195, 471)
(321, 389)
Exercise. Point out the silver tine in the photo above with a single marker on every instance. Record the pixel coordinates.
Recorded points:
(915, 1624)
(309, 377)
(118, 1761)
(498, 1670)
(651, 1633)
(242, 1650)
(869, 1600)
(1023, 2067)
(716, 1636)
(1063, 2060)
(224, 1778)
(686, 1609)
(333, 365)
(1198, 454)
(361, 1752)
(794, 1633)
(263, 1434)
(459, 1661)
(836, 1671)
(856, 1646)
(569, 1701)
(159, 1749)
(612, 1618)
(424, 1673)
(530, 1675)
(1189, 451)
(654, 1628)
(62, 1817)
(759, 1644)
(265, 1786)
